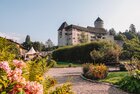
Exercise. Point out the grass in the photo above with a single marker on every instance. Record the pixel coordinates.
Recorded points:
(114, 77)
(67, 64)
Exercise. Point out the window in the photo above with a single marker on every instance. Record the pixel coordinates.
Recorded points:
(60, 34)
(66, 33)
(103, 37)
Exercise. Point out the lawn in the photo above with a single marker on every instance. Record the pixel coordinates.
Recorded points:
(114, 77)
(67, 64)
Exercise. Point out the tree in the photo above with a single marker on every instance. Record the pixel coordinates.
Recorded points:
(132, 28)
(83, 38)
(37, 46)
(27, 40)
(112, 32)
(119, 37)
(131, 48)
(27, 44)
(49, 44)
(97, 56)
(129, 35)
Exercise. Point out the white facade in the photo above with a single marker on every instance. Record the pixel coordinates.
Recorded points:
(72, 34)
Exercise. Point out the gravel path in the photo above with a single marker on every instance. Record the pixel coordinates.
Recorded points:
(81, 86)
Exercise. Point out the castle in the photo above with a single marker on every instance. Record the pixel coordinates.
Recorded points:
(74, 34)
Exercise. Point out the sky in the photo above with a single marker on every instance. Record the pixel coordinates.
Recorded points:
(41, 18)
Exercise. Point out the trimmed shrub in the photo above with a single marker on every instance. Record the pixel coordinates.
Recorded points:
(81, 53)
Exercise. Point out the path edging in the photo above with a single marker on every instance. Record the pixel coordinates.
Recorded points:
(94, 81)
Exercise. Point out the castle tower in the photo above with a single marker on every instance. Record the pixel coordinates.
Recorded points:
(99, 23)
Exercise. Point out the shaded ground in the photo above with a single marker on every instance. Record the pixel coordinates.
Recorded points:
(81, 86)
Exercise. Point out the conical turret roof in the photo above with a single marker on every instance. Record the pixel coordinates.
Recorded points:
(64, 24)
(98, 19)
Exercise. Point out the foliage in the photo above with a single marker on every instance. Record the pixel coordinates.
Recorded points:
(51, 63)
(131, 49)
(112, 32)
(37, 67)
(64, 89)
(66, 65)
(38, 46)
(132, 28)
(28, 43)
(130, 84)
(114, 77)
(133, 68)
(122, 67)
(81, 53)
(97, 56)
(95, 71)
(48, 84)
(8, 50)
(108, 54)
(83, 38)
(70, 65)
(119, 37)
(49, 44)
(12, 81)
(86, 68)
(129, 35)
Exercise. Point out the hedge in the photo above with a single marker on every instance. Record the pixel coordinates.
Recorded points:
(79, 53)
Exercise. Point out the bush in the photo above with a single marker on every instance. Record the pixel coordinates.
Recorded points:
(122, 67)
(8, 50)
(81, 53)
(64, 89)
(98, 71)
(86, 68)
(51, 63)
(12, 81)
(49, 83)
(37, 67)
(130, 84)
(70, 65)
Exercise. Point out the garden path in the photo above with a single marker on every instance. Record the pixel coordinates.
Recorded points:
(81, 86)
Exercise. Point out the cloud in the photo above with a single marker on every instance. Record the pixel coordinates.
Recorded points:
(15, 37)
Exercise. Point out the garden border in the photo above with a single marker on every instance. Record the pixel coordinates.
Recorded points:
(109, 84)
(93, 81)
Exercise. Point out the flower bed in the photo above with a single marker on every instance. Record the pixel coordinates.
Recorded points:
(12, 81)
(94, 72)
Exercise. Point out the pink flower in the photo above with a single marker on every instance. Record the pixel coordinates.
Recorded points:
(5, 66)
(19, 64)
(15, 75)
(34, 88)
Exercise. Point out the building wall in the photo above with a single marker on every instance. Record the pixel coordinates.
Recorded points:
(72, 36)
(76, 35)
(64, 38)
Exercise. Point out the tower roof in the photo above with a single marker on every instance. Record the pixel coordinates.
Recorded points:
(64, 24)
(98, 19)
